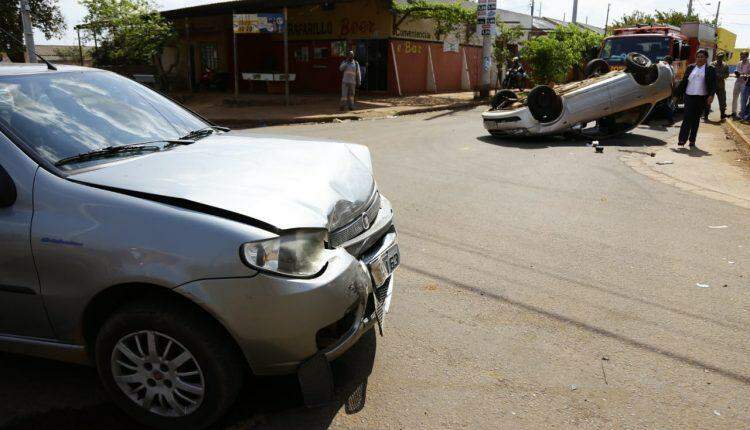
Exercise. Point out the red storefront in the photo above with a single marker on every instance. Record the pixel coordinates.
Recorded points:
(320, 34)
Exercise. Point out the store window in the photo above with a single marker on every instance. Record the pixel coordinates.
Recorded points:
(209, 56)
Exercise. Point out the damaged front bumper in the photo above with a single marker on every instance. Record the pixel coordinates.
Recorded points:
(279, 322)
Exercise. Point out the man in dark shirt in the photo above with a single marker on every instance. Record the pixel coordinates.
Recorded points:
(722, 73)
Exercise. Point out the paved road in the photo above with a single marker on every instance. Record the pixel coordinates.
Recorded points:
(542, 285)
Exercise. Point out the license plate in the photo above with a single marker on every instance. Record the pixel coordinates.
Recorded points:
(384, 264)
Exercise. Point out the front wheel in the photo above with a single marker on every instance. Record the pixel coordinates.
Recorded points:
(168, 366)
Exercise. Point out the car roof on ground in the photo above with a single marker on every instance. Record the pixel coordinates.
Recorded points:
(15, 69)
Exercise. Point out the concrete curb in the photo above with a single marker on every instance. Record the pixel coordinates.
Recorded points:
(739, 137)
(253, 123)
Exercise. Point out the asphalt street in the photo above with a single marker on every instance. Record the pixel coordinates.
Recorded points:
(542, 286)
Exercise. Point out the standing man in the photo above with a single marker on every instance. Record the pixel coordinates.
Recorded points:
(743, 69)
(350, 81)
(722, 73)
(698, 87)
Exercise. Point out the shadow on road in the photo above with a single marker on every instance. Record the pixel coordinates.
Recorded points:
(541, 142)
(694, 152)
(43, 394)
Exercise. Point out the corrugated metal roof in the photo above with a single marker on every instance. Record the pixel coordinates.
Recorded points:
(225, 7)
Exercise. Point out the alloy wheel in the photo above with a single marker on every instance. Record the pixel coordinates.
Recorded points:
(158, 373)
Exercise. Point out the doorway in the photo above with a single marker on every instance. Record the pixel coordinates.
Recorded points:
(373, 60)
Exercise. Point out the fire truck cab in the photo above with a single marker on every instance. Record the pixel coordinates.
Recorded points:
(658, 41)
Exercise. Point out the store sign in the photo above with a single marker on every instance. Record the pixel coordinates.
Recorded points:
(349, 20)
(486, 12)
(258, 23)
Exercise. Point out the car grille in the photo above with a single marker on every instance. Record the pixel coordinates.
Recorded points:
(358, 226)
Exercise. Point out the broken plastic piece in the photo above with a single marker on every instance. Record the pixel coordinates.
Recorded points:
(702, 285)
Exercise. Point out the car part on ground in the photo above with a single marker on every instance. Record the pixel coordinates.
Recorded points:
(596, 108)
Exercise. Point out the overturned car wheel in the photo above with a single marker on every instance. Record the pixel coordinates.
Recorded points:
(544, 103)
(503, 98)
(643, 70)
(596, 67)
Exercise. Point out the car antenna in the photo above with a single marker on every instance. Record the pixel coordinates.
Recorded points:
(50, 66)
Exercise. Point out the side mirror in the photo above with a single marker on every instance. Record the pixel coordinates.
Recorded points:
(7, 189)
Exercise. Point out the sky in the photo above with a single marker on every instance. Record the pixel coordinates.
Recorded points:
(734, 15)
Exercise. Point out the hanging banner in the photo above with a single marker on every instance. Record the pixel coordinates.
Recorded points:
(246, 23)
(451, 43)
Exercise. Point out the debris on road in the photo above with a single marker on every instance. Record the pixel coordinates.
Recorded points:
(664, 163)
(573, 387)
(717, 227)
(702, 285)
(599, 149)
(717, 413)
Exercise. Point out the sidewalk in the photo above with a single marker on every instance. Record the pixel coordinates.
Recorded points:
(254, 110)
(718, 169)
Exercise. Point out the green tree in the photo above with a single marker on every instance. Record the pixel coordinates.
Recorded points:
(506, 37)
(45, 16)
(581, 42)
(448, 17)
(548, 58)
(129, 32)
(670, 17)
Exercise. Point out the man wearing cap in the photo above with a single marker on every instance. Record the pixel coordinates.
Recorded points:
(350, 81)
(743, 69)
(722, 73)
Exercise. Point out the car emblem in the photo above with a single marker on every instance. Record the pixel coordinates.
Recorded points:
(366, 221)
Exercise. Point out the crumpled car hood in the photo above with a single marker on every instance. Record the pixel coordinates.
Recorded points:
(286, 183)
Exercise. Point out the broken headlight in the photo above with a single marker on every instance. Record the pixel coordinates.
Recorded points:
(299, 254)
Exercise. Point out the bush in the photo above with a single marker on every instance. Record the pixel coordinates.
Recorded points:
(548, 58)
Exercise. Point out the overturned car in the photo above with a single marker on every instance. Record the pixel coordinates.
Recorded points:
(604, 105)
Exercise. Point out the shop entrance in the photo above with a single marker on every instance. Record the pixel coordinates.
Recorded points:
(373, 59)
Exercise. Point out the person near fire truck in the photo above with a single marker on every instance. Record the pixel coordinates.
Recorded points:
(722, 73)
(698, 87)
(742, 72)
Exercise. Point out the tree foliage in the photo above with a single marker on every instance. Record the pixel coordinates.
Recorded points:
(506, 37)
(670, 17)
(551, 57)
(548, 59)
(128, 32)
(581, 42)
(448, 17)
(45, 16)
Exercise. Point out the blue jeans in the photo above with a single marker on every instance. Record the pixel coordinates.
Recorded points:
(743, 102)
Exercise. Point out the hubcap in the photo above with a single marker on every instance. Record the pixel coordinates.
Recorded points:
(158, 373)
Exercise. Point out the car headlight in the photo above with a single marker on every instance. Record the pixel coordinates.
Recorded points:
(299, 254)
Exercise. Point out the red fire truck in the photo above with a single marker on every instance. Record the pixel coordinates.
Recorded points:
(658, 41)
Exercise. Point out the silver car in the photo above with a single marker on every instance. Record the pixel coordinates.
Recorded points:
(177, 257)
(604, 105)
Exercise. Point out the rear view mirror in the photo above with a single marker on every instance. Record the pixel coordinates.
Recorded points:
(7, 189)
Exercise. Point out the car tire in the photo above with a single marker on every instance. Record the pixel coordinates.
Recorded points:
(544, 104)
(636, 62)
(596, 67)
(501, 99)
(210, 375)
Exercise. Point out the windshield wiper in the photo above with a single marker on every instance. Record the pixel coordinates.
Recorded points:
(104, 152)
(203, 132)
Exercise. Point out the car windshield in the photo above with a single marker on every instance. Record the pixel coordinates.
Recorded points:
(61, 115)
(654, 47)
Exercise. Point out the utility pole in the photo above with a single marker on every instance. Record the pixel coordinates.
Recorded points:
(540, 9)
(575, 11)
(690, 8)
(28, 32)
(716, 20)
(606, 22)
(532, 8)
(486, 10)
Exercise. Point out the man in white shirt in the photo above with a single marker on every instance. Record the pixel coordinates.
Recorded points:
(698, 87)
(350, 81)
(742, 72)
